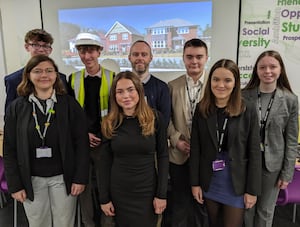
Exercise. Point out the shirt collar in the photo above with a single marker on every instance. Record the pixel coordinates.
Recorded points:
(199, 82)
(32, 97)
(98, 74)
(49, 102)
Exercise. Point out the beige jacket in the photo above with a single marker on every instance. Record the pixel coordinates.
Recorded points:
(178, 125)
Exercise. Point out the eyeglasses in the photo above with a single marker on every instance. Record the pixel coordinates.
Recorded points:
(39, 72)
(37, 46)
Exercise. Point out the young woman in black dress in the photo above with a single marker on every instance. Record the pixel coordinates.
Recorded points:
(133, 166)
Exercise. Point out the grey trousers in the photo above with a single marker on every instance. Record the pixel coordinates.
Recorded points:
(51, 207)
(261, 215)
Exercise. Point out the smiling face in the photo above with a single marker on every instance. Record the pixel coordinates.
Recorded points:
(38, 47)
(89, 56)
(140, 57)
(222, 84)
(268, 70)
(194, 59)
(127, 96)
(43, 76)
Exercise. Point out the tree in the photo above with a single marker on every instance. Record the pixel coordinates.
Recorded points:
(67, 31)
(207, 31)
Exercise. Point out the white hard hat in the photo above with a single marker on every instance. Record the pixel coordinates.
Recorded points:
(88, 39)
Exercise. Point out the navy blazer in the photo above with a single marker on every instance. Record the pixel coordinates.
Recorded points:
(243, 149)
(12, 81)
(72, 138)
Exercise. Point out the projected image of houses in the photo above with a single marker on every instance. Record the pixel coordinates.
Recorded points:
(165, 27)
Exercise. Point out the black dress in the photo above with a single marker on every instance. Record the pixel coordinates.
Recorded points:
(128, 175)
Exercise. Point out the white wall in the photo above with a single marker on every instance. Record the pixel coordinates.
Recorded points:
(224, 23)
(2, 68)
(19, 16)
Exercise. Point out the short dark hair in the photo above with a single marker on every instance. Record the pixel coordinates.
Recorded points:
(38, 35)
(195, 43)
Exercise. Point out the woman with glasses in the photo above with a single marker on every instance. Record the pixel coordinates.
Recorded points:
(45, 147)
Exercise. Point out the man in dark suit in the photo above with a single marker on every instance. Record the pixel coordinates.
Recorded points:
(37, 41)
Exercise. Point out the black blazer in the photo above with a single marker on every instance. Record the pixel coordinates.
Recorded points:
(73, 143)
(243, 149)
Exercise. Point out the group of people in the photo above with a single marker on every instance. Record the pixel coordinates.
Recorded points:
(199, 150)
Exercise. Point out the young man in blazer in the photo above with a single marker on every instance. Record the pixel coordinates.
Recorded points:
(37, 41)
(186, 91)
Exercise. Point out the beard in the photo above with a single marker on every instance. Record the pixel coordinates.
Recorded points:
(140, 69)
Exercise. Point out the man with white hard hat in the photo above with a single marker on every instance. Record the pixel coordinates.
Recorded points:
(88, 39)
(91, 87)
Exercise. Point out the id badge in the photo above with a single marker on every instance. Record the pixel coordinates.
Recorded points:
(218, 165)
(262, 147)
(43, 152)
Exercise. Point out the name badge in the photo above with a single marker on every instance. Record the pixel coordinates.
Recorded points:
(218, 165)
(262, 147)
(43, 152)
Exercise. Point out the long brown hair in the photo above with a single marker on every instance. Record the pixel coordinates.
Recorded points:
(143, 112)
(26, 87)
(235, 105)
(282, 81)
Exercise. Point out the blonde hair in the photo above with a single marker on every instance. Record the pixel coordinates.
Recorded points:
(143, 112)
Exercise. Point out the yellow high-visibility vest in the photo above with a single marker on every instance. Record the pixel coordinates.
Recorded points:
(77, 84)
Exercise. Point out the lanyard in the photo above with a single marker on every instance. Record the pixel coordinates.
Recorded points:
(263, 120)
(47, 123)
(193, 101)
(220, 137)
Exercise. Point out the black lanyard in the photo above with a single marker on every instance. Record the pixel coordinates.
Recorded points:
(220, 136)
(263, 120)
(192, 101)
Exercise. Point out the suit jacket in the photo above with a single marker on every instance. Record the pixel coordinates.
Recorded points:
(73, 143)
(281, 132)
(12, 81)
(178, 125)
(243, 150)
